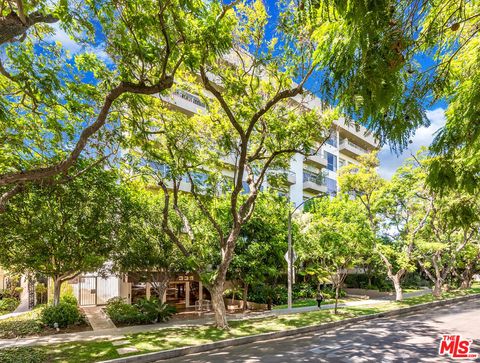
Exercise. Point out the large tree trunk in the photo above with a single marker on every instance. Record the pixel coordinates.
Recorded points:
(218, 306)
(437, 288)
(161, 286)
(467, 277)
(396, 279)
(57, 285)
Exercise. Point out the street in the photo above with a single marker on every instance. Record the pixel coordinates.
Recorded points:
(413, 338)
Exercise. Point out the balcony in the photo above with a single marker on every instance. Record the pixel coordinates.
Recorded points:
(316, 160)
(185, 101)
(230, 159)
(313, 183)
(281, 176)
(351, 149)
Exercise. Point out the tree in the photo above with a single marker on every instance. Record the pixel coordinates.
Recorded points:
(142, 248)
(250, 119)
(61, 230)
(452, 224)
(336, 236)
(467, 264)
(404, 206)
(392, 211)
(55, 104)
(259, 254)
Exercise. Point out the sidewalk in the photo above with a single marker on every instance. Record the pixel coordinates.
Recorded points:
(119, 333)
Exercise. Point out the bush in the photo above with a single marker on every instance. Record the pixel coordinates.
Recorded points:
(329, 293)
(144, 312)
(22, 355)
(263, 294)
(122, 313)
(22, 325)
(64, 314)
(304, 291)
(69, 299)
(155, 311)
(8, 304)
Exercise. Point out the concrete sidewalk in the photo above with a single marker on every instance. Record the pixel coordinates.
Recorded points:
(119, 333)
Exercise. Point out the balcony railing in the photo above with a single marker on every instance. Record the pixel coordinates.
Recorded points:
(189, 97)
(287, 175)
(315, 178)
(352, 149)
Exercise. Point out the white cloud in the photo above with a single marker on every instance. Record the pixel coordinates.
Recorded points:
(389, 161)
(59, 35)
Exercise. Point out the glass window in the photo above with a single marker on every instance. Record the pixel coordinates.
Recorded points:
(331, 161)
(331, 185)
(332, 140)
(341, 162)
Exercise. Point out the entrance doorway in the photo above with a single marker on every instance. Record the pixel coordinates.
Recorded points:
(87, 287)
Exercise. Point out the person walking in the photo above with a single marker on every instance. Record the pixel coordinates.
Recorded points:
(319, 299)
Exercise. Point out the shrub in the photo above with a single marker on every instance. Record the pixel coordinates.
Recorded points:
(8, 304)
(22, 325)
(263, 294)
(304, 291)
(69, 299)
(122, 313)
(64, 314)
(329, 293)
(155, 311)
(22, 355)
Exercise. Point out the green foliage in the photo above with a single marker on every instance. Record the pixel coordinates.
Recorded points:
(8, 304)
(64, 314)
(142, 245)
(22, 355)
(61, 230)
(265, 294)
(304, 291)
(69, 299)
(155, 310)
(144, 312)
(123, 313)
(22, 325)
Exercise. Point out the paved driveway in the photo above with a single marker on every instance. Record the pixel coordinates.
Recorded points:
(413, 338)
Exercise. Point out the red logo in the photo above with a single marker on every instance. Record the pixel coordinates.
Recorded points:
(456, 347)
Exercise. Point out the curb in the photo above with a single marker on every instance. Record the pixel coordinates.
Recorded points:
(179, 352)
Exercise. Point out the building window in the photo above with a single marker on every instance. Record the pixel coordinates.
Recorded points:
(331, 161)
(341, 162)
(331, 185)
(246, 187)
(332, 140)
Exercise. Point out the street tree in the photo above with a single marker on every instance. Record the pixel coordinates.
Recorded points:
(403, 208)
(452, 224)
(259, 254)
(392, 209)
(336, 237)
(62, 230)
(248, 126)
(467, 264)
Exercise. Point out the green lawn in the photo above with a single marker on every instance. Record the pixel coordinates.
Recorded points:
(310, 302)
(85, 352)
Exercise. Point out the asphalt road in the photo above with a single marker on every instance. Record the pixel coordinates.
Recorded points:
(413, 338)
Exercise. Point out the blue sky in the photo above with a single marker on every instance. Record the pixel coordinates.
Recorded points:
(389, 161)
